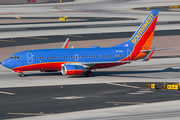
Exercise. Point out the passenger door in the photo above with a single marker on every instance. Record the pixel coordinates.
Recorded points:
(29, 58)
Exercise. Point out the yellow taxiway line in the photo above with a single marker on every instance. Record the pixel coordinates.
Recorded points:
(18, 17)
(8, 40)
(36, 38)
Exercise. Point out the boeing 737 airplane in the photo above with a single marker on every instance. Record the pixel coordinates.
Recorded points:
(76, 61)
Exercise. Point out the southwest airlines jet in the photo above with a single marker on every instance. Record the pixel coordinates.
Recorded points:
(76, 61)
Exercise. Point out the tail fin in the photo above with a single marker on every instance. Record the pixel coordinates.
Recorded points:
(142, 38)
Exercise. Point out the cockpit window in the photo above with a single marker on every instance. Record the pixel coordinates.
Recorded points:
(14, 57)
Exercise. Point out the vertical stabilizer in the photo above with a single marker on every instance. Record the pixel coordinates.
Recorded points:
(142, 38)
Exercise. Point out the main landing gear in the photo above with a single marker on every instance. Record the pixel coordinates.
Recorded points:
(88, 74)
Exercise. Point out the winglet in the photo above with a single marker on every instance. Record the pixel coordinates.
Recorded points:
(65, 45)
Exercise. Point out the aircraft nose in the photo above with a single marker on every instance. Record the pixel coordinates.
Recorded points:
(6, 63)
(3, 63)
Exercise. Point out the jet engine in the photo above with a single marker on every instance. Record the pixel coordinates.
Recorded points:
(72, 69)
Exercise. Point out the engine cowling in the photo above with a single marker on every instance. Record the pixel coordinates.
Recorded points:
(72, 69)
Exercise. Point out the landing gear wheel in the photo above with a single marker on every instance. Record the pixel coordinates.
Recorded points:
(88, 74)
(21, 74)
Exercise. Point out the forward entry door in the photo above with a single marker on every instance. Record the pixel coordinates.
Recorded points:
(29, 58)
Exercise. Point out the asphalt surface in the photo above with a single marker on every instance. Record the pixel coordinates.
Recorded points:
(68, 19)
(32, 101)
(78, 37)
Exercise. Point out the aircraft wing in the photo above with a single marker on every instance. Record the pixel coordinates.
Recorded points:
(90, 64)
(65, 44)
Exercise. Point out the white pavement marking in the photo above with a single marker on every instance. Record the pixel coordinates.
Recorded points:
(69, 97)
(140, 92)
(126, 102)
(41, 113)
(123, 85)
(7, 93)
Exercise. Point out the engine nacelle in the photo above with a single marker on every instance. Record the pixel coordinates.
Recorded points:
(72, 69)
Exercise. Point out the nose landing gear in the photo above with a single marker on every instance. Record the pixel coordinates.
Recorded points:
(21, 74)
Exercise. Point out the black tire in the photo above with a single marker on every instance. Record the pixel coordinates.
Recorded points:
(21, 74)
(88, 74)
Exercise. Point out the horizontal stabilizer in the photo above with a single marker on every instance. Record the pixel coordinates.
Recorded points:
(149, 55)
(166, 48)
(145, 51)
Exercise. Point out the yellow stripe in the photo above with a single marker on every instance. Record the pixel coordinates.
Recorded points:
(36, 38)
(18, 17)
(8, 40)
(174, 6)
